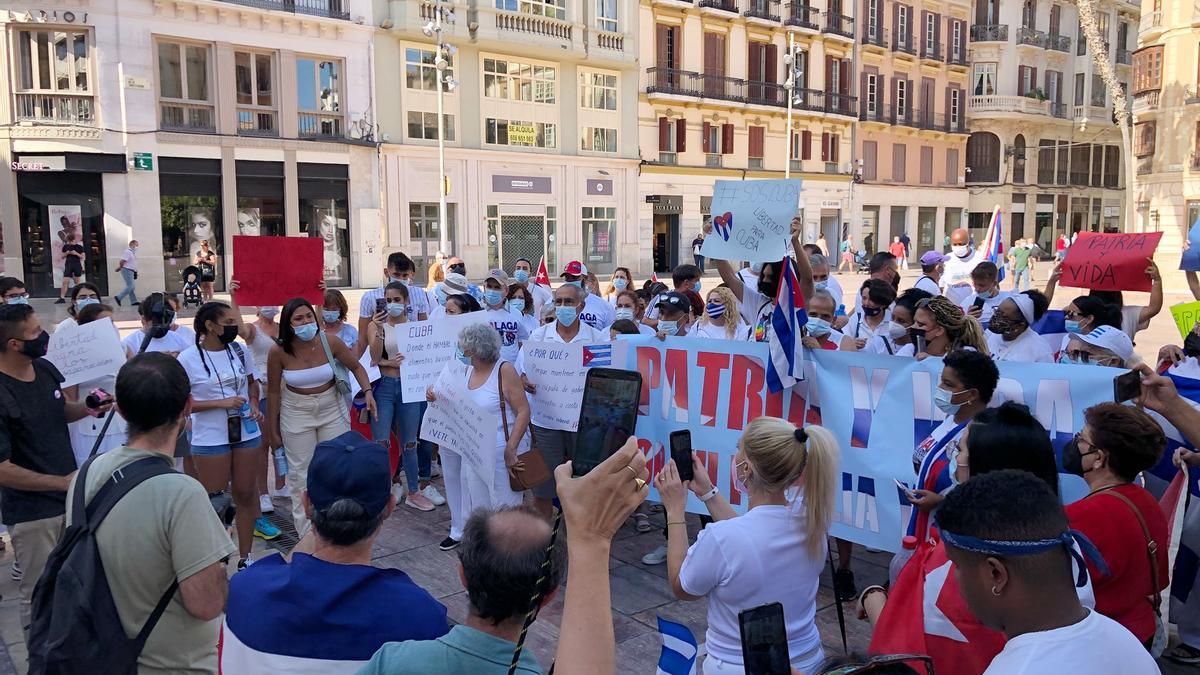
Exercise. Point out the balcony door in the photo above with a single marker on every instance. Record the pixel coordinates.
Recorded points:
(714, 65)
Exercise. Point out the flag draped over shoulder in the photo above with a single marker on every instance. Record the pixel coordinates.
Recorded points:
(787, 358)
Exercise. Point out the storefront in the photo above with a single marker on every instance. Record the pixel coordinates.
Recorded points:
(190, 209)
(325, 213)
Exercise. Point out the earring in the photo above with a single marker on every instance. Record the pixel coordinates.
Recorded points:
(995, 591)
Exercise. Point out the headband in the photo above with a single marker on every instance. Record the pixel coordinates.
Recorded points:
(1025, 304)
(1019, 548)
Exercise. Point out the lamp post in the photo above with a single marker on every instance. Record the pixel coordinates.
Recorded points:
(789, 86)
(445, 83)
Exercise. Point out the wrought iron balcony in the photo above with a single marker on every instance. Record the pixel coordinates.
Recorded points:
(839, 24)
(931, 51)
(321, 125)
(1059, 43)
(723, 5)
(877, 37)
(189, 117)
(1124, 57)
(763, 9)
(804, 16)
(1029, 36)
(68, 109)
(989, 33)
(840, 104)
(332, 9)
(957, 58)
(902, 42)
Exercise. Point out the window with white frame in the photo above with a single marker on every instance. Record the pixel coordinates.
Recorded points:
(255, 85)
(185, 97)
(902, 35)
(872, 93)
(931, 20)
(598, 139)
(599, 230)
(420, 71)
(714, 139)
(53, 78)
(517, 81)
(598, 91)
(1027, 82)
(520, 134)
(423, 125)
(955, 106)
(606, 15)
(555, 9)
(319, 96)
(901, 98)
(956, 38)
(873, 19)
(984, 79)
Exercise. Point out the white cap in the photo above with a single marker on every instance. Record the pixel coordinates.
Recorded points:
(1025, 304)
(454, 284)
(1113, 339)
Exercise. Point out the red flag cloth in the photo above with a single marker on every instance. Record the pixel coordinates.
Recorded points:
(1170, 502)
(925, 614)
(543, 276)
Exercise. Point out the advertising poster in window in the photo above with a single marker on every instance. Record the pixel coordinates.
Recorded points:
(333, 233)
(249, 221)
(200, 229)
(522, 134)
(65, 220)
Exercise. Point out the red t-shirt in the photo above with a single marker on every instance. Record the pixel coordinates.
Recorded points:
(1111, 525)
(896, 249)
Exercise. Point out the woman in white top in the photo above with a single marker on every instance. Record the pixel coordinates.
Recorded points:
(486, 379)
(260, 336)
(738, 562)
(896, 341)
(873, 315)
(82, 295)
(333, 315)
(520, 300)
(226, 436)
(622, 279)
(85, 432)
(721, 320)
(1010, 335)
(304, 406)
(171, 341)
(629, 307)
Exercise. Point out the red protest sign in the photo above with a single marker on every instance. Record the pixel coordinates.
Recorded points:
(273, 270)
(1110, 262)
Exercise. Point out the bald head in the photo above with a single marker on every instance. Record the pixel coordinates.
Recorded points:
(501, 555)
(959, 237)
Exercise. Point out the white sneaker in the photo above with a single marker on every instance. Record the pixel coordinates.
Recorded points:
(265, 505)
(400, 491)
(656, 557)
(431, 493)
(285, 491)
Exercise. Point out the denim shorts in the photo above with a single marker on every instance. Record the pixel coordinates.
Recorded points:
(224, 448)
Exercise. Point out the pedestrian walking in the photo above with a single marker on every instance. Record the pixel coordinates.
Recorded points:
(128, 269)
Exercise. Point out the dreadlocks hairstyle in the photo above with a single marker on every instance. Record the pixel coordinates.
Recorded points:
(961, 329)
(209, 311)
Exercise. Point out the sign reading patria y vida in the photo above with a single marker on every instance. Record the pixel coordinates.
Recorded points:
(751, 219)
(1110, 261)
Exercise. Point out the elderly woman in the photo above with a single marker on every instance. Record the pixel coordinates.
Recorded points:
(1010, 334)
(494, 386)
(1104, 346)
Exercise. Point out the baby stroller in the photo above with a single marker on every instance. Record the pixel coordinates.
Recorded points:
(191, 286)
(861, 262)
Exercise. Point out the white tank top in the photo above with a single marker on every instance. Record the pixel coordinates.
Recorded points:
(487, 396)
(260, 347)
(390, 347)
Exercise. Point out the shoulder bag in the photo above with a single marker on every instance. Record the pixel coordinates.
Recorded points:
(1155, 597)
(534, 471)
(341, 376)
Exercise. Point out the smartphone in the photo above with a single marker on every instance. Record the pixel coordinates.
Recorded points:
(1127, 386)
(233, 425)
(681, 452)
(607, 416)
(905, 489)
(978, 304)
(919, 342)
(380, 305)
(764, 640)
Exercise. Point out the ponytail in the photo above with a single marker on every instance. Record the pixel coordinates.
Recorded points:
(820, 483)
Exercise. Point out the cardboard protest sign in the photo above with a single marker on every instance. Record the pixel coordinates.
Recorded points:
(1110, 262)
(751, 219)
(457, 424)
(427, 346)
(1186, 314)
(1190, 261)
(273, 270)
(88, 352)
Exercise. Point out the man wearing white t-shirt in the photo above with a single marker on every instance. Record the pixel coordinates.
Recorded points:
(595, 312)
(508, 323)
(542, 296)
(399, 268)
(1012, 548)
(933, 266)
(956, 277)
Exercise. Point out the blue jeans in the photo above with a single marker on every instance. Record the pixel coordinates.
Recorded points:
(1021, 280)
(127, 277)
(405, 420)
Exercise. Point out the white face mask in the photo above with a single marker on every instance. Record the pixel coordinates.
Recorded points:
(961, 250)
(896, 331)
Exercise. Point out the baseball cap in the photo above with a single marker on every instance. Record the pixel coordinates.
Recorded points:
(1113, 339)
(500, 276)
(454, 284)
(575, 269)
(350, 467)
(676, 301)
(933, 258)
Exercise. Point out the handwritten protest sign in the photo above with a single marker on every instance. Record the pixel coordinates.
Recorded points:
(1110, 262)
(427, 346)
(751, 219)
(1190, 261)
(459, 425)
(1186, 314)
(559, 372)
(273, 270)
(86, 352)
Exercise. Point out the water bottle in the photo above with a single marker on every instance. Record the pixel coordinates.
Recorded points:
(281, 464)
(908, 546)
(249, 426)
(841, 311)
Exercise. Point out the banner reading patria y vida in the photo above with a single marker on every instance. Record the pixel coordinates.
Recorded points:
(879, 408)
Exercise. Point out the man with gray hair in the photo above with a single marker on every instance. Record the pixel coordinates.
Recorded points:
(822, 279)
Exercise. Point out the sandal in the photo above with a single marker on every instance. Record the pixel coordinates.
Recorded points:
(1182, 653)
(643, 522)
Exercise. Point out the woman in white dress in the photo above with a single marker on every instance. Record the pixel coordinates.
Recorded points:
(494, 386)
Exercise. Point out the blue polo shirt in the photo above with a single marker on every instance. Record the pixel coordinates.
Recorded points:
(462, 650)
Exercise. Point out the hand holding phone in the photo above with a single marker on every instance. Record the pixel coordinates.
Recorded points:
(380, 305)
(1127, 386)
(607, 416)
(764, 640)
(681, 452)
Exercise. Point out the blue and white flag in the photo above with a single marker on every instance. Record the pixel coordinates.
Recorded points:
(679, 649)
(1053, 328)
(787, 357)
(993, 242)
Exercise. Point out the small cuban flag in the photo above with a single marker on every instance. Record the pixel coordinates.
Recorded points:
(679, 649)
(597, 355)
(993, 242)
(789, 315)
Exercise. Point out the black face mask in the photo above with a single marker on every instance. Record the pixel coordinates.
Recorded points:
(999, 325)
(458, 269)
(916, 333)
(1191, 345)
(228, 334)
(1072, 459)
(36, 348)
(768, 288)
(871, 311)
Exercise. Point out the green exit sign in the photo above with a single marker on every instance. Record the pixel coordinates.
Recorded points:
(143, 161)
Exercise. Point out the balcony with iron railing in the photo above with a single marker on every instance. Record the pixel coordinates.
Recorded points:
(764, 10)
(903, 43)
(876, 36)
(331, 9)
(699, 85)
(839, 24)
(989, 33)
(841, 104)
(957, 58)
(1058, 110)
(1031, 37)
(932, 52)
(1151, 21)
(803, 16)
(256, 121)
(1058, 43)
(720, 5)
(1124, 57)
(1145, 101)
(713, 159)
(62, 109)
(321, 125)
(186, 117)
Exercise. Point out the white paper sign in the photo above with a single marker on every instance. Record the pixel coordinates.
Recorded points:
(427, 346)
(751, 219)
(457, 424)
(87, 352)
(560, 371)
(372, 373)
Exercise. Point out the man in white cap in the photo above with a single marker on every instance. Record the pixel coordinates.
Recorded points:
(933, 265)
(506, 321)
(453, 284)
(596, 311)
(956, 279)
(1010, 336)
(1104, 346)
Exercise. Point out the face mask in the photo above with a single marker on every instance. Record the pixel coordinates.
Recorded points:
(896, 331)
(1191, 345)
(668, 327)
(871, 311)
(756, 268)
(228, 334)
(578, 283)
(624, 313)
(952, 470)
(521, 276)
(738, 483)
(818, 327)
(1072, 326)
(961, 250)
(396, 309)
(768, 289)
(715, 310)
(269, 312)
(458, 354)
(620, 283)
(441, 296)
(459, 269)
(699, 283)
(999, 325)
(821, 285)
(493, 297)
(566, 315)
(1066, 358)
(19, 300)
(36, 348)
(517, 305)
(306, 331)
(331, 315)
(915, 333)
(84, 302)
(941, 398)
(987, 295)
(403, 281)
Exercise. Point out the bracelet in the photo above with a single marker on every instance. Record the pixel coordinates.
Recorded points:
(862, 599)
(709, 495)
(676, 522)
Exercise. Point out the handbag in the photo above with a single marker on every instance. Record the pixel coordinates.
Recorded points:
(341, 376)
(535, 470)
(1160, 633)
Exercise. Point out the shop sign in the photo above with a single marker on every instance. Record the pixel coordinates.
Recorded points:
(1112, 211)
(522, 134)
(142, 161)
(527, 184)
(53, 163)
(831, 203)
(43, 16)
(599, 187)
(653, 199)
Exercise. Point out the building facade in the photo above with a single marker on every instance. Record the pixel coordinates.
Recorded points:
(1166, 106)
(1044, 146)
(540, 131)
(715, 86)
(911, 141)
(176, 121)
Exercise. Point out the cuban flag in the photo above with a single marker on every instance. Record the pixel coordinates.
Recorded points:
(993, 242)
(597, 355)
(787, 357)
(679, 649)
(543, 275)
(1053, 328)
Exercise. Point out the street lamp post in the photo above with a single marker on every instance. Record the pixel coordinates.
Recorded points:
(444, 83)
(789, 86)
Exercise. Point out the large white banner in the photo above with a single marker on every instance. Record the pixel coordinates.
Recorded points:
(88, 352)
(427, 346)
(457, 424)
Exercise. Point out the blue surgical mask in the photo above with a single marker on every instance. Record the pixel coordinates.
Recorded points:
(19, 300)
(84, 302)
(396, 309)
(331, 315)
(620, 283)
(441, 296)
(403, 281)
(268, 312)
(306, 332)
(493, 296)
(577, 283)
(821, 285)
(517, 305)
(756, 268)
(941, 398)
(521, 276)
(699, 283)
(668, 327)
(1066, 358)
(988, 295)
(458, 354)
(623, 313)
(715, 310)
(818, 327)
(567, 316)
(1072, 326)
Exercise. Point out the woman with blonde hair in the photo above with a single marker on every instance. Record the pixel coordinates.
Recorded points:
(437, 274)
(940, 327)
(622, 280)
(790, 476)
(721, 319)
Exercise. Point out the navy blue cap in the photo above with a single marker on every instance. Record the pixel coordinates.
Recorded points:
(350, 467)
(675, 300)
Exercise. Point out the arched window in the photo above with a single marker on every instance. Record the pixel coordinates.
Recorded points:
(983, 158)
(1019, 159)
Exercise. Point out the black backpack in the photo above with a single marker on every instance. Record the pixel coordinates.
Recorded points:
(76, 628)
